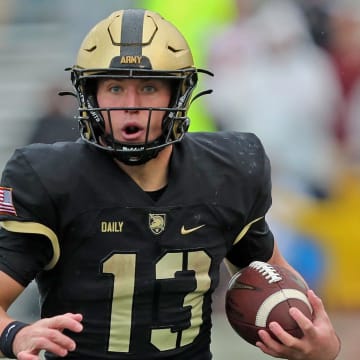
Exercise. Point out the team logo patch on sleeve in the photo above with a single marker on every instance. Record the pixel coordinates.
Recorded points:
(6, 203)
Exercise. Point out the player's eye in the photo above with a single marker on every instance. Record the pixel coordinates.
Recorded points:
(149, 89)
(115, 89)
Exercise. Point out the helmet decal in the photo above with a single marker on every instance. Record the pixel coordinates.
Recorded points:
(131, 33)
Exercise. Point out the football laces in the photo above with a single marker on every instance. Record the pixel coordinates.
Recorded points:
(267, 271)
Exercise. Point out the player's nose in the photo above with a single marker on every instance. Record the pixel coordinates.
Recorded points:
(132, 99)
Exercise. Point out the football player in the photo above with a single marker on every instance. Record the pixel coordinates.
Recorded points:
(125, 229)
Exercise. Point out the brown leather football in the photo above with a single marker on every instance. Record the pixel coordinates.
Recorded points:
(262, 293)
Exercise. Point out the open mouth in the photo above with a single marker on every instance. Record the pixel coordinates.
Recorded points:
(132, 133)
(129, 130)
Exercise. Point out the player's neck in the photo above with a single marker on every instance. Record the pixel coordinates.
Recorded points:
(153, 175)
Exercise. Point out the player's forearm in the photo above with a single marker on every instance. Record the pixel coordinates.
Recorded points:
(278, 259)
(10, 290)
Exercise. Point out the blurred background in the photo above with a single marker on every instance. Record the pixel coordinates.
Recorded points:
(287, 70)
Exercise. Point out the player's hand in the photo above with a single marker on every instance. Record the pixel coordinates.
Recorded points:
(319, 342)
(47, 334)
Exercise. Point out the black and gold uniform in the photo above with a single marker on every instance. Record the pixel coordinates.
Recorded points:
(140, 270)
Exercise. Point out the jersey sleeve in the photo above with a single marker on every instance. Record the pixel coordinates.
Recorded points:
(25, 248)
(29, 196)
(256, 241)
(23, 256)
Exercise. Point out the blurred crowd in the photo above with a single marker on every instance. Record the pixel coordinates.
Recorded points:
(288, 70)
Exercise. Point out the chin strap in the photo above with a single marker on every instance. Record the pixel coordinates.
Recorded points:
(133, 154)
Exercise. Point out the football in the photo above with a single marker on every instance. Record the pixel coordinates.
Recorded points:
(261, 293)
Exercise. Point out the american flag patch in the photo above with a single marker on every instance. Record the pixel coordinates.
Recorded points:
(6, 203)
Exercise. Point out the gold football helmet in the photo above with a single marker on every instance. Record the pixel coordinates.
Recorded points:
(134, 43)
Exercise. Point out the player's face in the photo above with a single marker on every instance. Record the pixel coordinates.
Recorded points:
(128, 125)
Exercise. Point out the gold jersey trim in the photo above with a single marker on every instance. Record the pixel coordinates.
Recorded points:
(245, 229)
(35, 228)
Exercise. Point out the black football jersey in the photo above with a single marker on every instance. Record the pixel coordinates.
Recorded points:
(140, 271)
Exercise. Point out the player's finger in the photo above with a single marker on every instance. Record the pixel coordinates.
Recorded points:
(53, 341)
(268, 345)
(308, 326)
(59, 339)
(304, 323)
(283, 345)
(71, 322)
(317, 305)
(283, 336)
(262, 347)
(23, 355)
(74, 316)
(46, 345)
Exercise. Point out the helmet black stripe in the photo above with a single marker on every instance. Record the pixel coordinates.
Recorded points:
(132, 32)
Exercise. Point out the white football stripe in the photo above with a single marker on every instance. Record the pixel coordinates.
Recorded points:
(274, 300)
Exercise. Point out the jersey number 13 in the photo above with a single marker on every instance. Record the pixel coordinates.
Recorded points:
(122, 267)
